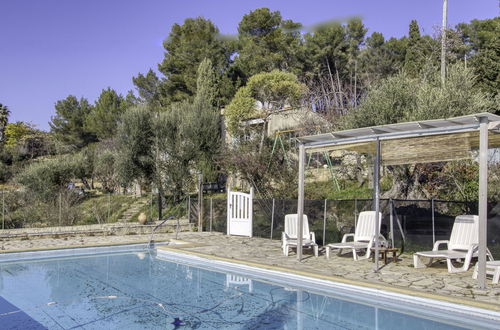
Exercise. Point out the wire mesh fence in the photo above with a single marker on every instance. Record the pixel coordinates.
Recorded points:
(415, 225)
(69, 207)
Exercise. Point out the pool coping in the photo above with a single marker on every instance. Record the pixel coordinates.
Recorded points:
(179, 246)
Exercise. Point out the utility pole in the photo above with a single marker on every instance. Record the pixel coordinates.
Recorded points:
(443, 42)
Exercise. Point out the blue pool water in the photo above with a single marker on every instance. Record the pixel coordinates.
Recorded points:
(137, 290)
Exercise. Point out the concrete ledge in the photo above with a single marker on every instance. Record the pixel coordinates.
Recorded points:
(97, 229)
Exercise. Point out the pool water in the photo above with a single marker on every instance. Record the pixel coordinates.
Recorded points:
(136, 290)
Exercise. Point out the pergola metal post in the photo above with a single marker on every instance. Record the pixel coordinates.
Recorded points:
(300, 203)
(376, 187)
(483, 202)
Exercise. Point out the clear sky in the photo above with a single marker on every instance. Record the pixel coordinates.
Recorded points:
(50, 49)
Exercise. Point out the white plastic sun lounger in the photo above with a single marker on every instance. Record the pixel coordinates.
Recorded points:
(363, 237)
(290, 235)
(463, 244)
(492, 268)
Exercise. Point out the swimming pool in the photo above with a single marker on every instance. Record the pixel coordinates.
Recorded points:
(129, 287)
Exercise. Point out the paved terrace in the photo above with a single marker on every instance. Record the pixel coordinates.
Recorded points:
(434, 282)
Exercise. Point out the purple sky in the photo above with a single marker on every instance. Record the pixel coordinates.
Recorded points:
(50, 49)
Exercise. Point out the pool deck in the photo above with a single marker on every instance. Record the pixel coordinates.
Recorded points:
(434, 282)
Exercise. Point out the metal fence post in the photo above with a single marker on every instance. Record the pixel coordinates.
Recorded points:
(211, 213)
(272, 220)
(109, 206)
(3, 209)
(151, 205)
(324, 223)
(433, 225)
(189, 209)
(391, 209)
(60, 208)
(355, 212)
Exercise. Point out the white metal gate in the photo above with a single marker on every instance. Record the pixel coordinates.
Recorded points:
(239, 213)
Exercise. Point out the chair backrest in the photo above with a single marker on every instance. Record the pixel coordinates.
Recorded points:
(365, 228)
(291, 221)
(465, 232)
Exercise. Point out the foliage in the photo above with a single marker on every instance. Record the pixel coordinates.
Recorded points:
(68, 123)
(47, 178)
(4, 119)
(84, 163)
(271, 174)
(267, 42)
(186, 47)
(14, 132)
(135, 139)
(104, 208)
(327, 190)
(102, 120)
(483, 37)
(24, 142)
(401, 98)
(105, 170)
(148, 87)
(271, 90)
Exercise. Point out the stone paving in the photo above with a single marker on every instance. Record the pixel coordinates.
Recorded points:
(435, 280)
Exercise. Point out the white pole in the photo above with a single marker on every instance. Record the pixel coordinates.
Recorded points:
(443, 42)
(250, 211)
(376, 179)
(229, 211)
(483, 201)
(300, 202)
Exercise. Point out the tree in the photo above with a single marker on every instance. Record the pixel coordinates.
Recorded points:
(264, 94)
(402, 98)
(186, 46)
(381, 59)
(23, 141)
(267, 42)
(47, 178)
(206, 84)
(102, 120)
(14, 132)
(68, 123)
(4, 119)
(135, 140)
(148, 87)
(483, 37)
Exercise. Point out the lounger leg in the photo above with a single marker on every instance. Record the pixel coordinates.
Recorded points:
(285, 250)
(315, 250)
(354, 255)
(417, 261)
(496, 276)
(453, 269)
(327, 250)
(474, 274)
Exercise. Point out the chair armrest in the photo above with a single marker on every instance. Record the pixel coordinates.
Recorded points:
(438, 243)
(344, 239)
(312, 236)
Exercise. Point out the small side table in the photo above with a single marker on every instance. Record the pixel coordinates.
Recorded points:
(383, 252)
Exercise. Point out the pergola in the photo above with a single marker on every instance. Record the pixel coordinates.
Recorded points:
(411, 143)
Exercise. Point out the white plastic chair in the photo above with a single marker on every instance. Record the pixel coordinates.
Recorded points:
(463, 244)
(290, 235)
(363, 237)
